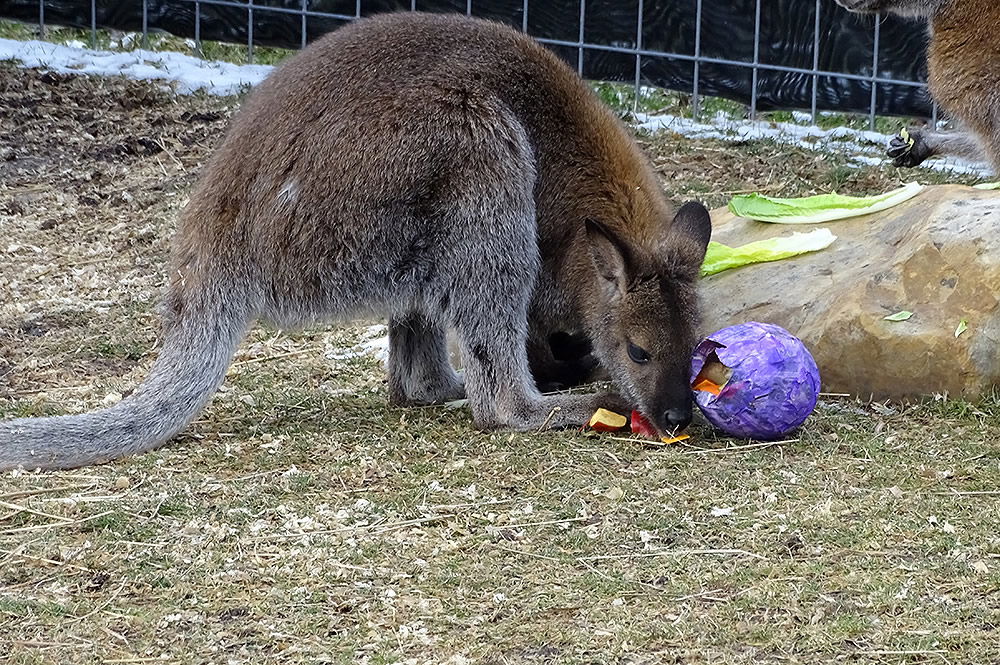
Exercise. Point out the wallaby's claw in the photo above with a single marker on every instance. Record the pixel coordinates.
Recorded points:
(907, 149)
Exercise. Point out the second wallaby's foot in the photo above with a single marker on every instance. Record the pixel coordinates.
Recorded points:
(909, 148)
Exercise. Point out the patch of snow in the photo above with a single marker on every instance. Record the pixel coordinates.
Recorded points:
(187, 73)
(866, 147)
(374, 342)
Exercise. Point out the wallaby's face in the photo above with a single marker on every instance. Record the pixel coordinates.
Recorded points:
(649, 314)
(910, 8)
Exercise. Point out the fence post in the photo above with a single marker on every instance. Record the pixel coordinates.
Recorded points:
(815, 78)
(696, 84)
(874, 99)
(638, 57)
(756, 62)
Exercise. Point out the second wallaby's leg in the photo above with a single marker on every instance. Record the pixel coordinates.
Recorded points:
(916, 146)
(419, 369)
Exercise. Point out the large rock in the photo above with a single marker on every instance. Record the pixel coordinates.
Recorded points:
(937, 255)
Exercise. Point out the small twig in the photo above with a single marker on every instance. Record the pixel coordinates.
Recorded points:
(44, 560)
(163, 147)
(732, 449)
(35, 644)
(974, 493)
(672, 553)
(36, 527)
(916, 652)
(548, 418)
(545, 523)
(24, 509)
(523, 553)
(45, 490)
(264, 359)
(377, 528)
(707, 595)
(455, 506)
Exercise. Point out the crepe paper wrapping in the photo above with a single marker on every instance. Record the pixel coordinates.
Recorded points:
(774, 384)
(721, 257)
(963, 325)
(815, 209)
(606, 421)
(988, 185)
(899, 316)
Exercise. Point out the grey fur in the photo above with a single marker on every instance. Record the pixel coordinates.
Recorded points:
(437, 171)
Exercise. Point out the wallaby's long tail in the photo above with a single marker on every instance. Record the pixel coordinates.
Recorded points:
(199, 344)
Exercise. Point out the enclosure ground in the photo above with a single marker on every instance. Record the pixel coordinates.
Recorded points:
(301, 520)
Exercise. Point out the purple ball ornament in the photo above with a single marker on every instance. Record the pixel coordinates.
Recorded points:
(754, 381)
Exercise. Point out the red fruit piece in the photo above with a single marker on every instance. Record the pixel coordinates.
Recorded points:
(643, 427)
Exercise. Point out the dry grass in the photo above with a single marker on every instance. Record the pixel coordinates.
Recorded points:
(301, 520)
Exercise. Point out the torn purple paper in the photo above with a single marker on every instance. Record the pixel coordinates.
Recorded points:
(771, 381)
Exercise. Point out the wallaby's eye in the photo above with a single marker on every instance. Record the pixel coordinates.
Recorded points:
(637, 354)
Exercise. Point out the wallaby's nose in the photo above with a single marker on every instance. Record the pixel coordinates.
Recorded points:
(677, 419)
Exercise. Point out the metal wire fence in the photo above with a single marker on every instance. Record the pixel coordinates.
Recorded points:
(312, 22)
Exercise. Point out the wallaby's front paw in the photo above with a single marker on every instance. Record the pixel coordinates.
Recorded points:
(908, 149)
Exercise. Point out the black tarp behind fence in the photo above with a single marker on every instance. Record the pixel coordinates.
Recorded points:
(788, 31)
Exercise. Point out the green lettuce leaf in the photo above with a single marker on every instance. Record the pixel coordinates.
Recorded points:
(988, 185)
(721, 257)
(815, 209)
(899, 316)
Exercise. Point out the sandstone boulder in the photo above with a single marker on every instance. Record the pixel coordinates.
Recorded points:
(937, 255)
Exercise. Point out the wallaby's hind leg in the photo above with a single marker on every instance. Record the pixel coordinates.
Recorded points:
(419, 369)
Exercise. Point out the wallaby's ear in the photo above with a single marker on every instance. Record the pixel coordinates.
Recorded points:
(692, 226)
(611, 257)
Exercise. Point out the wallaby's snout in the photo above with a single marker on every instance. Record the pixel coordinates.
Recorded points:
(676, 418)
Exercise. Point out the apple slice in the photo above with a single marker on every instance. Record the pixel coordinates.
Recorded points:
(606, 421)
(643, 427)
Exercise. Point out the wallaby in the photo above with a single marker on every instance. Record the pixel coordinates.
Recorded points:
(448, 173)
(963, 63)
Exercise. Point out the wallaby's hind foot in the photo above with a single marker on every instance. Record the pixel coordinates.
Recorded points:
(420, 372)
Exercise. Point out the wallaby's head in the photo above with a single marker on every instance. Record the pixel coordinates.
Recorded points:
(646, 312)
(911, 8)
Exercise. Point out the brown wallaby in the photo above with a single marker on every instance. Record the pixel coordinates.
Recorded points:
(448, 173)
(963, 62)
